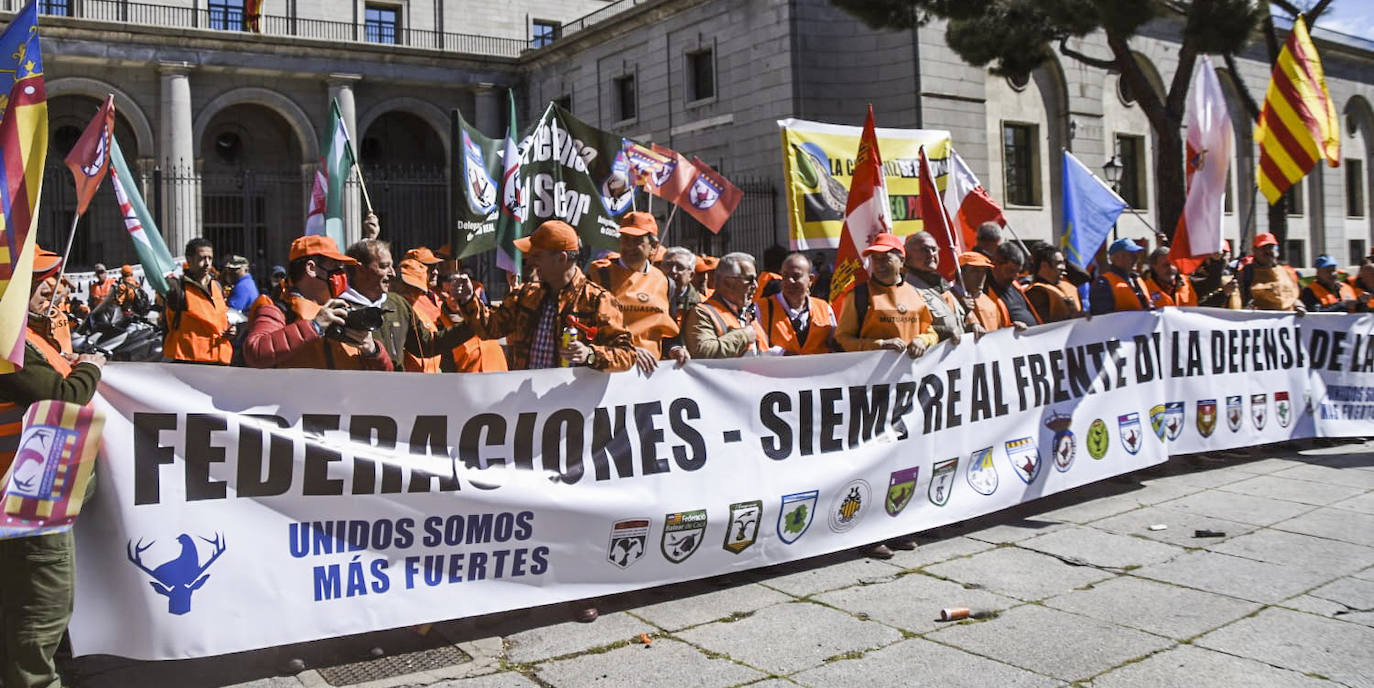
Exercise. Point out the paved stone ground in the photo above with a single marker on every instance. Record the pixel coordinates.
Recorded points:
(1074, 589)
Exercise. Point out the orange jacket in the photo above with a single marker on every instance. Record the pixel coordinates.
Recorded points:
(778, 328)
(894, 311)
(425, 312)
(196, 332)
(1160, 297)
(1324, 297)
(643, 301)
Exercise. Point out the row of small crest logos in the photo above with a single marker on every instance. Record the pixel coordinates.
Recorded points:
(684, 532)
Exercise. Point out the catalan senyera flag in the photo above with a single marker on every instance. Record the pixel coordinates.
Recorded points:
(866, 214)
(23, 151)
(89, 160)
(45, 488)
(1298, 125)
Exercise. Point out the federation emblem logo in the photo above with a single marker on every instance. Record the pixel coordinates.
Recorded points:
(1129, 426)
(743, 528)
(1063, 442)
(682, 534)
(1234, 409)
(704, 193)
(629, 538)
(664, 172)
(643, 297)
(982, 474)
(1259, 409)
(1099, 440)
(942, 477)
(901, 487)
(795, 516)
(617, 192)
(481, 188)
(1157, 420)
(1173, 419)
(38, 461)
(1206, 417)
(1024, 458)
(1283, 410)
(849, 506)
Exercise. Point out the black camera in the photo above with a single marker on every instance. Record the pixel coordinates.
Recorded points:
(367, 318)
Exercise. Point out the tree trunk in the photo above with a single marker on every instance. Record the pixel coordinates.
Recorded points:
(1170, 192)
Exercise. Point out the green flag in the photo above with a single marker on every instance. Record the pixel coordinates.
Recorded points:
(477, 198)
(579, 174)
(325, 215)
(152, 252)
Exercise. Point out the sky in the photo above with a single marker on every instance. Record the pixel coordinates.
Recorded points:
(1352, 17)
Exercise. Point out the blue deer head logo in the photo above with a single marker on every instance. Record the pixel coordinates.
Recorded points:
(179, 578)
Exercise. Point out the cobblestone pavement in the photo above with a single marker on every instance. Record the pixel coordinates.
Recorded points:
(1082, 588)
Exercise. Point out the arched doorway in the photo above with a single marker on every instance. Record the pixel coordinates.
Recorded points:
(100, 234)
(252, 190)
(404, 162)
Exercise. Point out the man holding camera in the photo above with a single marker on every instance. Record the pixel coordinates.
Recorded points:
(309, 327)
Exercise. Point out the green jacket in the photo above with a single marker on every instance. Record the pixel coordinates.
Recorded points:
(401, 331)
(38, 381)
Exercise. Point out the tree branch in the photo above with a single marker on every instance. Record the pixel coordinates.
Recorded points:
(1287, 7)
(1183, 78)
(1316, 11)
(1107, 65)
(1251, 107)
(1140, 86)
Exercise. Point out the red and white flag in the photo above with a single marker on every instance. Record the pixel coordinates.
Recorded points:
(1210, 144)
(967, 202)
(866, 215)
(89, 159)
(935, 219)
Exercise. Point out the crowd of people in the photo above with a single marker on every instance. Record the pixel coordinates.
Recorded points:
(640, 307)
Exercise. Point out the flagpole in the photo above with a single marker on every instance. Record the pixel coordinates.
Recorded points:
(1140, 217)
(1017, 237)
(71, 237)
(669, 224)
(363, 185)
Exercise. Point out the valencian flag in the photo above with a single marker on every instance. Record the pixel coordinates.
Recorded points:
(512, 218)
(89, 160)
(44, 488)
(325, 215)
(935, 220)
(710, 198)
(152, 252)
(671, 179)
(1298, 124)
(866, 213)
(1090, 210)
(967, 202)
(1210, 141)
(23, 151)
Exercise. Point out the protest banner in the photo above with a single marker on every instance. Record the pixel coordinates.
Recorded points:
(476, 203)
(818, 166)
(244, 518)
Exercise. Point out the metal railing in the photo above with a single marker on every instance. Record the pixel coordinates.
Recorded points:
(234, 21)
(598, 16)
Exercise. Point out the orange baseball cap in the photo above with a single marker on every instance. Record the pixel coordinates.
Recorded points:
(422, 254)
(885, 242)
(974, 259)
(1265, 239)
(126, 270)
(706, 263)
(317, 245)
(45, 263)
(639, 223)
(554, 235)
(415, 274)
(657, 254)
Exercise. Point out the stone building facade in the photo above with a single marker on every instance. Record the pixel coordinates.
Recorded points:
(226, 124)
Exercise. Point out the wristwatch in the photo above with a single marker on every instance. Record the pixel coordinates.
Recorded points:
(591, 358)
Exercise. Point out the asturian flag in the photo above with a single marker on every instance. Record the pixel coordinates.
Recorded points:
(512, 218)
(23, 151)
(1090, 210)
(967, 202)
(152, 251)
(1210, 142)
(866, 214)
(325, 215)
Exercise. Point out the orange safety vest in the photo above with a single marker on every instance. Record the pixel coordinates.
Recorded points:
(1004, 315)
(1326, 298)
(323, 353)
(1123, 293)
(643, 301)
(990, 314)
(12, 414)
(425, 314)
(723, 320)
(1160, 298)
(99, 290)
(897, 311)
(198, 332)
(1059, 296)
(1274, 288)
(779, 331)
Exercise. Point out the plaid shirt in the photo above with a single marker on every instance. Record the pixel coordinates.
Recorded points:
(517, 319)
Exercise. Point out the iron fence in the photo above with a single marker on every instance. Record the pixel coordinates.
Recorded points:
(250, 213)
(750, 229)
(598, 15)
(234, 20)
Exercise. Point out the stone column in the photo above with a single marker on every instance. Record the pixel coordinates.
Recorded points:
(488, 100)
(176, 154)
(341, 89)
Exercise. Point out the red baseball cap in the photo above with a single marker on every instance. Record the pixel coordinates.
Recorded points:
(885, 242)
(554, 235)
(1265, 239)
(317, 245)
